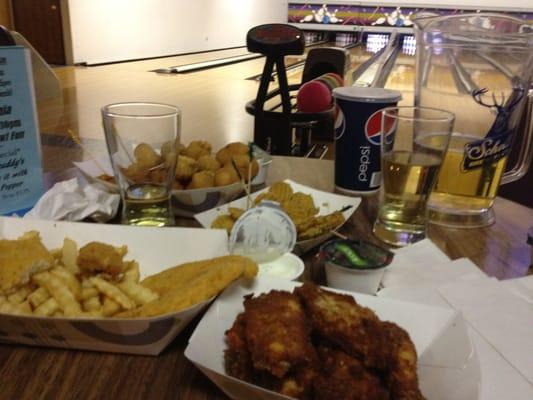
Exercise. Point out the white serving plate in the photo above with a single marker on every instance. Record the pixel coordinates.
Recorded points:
(185, 203)
(154, 248)
(448, 365)
(328, 203)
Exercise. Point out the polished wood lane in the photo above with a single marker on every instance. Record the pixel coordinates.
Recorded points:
(212, 101)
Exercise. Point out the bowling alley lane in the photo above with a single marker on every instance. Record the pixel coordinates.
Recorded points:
(213, 100)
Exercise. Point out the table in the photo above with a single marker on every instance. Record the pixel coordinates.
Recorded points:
(29, 373)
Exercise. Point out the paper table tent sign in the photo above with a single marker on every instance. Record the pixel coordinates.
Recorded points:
(21, 173)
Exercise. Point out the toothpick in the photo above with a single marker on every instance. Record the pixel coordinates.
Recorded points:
(251, 157)
(77, 140)
(243, 183)
(248, 199)
(339, 235)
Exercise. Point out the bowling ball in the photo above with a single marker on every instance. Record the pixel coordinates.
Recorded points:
(337, 77)
(330, 81)
(313, 96)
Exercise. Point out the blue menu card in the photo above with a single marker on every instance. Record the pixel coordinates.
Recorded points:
(21, 173)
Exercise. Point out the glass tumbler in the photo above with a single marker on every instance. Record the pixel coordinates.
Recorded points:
(142, 140)
(413, 143)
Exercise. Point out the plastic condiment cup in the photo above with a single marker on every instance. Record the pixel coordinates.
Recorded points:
(264, 233)
(355, 280)
(288, 266)
(363, 278)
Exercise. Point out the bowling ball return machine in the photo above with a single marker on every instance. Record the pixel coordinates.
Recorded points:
(279, 127)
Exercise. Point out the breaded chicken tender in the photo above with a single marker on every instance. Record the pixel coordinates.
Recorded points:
(351, 327)
(277, 333)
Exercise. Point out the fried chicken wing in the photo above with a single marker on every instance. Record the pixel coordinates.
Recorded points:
(346, 378)
(321, 345)
(338, 319)
(297, 384)
(277, 333)
(236, 356)
(402, 376)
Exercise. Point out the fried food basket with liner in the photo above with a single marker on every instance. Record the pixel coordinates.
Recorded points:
(154, 249)
(326, 202)
(448, 364)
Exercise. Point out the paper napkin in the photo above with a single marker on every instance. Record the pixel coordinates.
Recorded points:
(71, 201)
(502, 318)
(430, 272)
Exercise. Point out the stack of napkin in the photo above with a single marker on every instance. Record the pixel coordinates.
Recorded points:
(499, 313)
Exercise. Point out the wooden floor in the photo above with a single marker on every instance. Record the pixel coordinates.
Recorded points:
(212, 100)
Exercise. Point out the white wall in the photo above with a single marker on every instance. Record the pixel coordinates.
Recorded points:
(116, 30)
(484, 4)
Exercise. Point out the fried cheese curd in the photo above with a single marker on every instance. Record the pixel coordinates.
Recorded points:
(316, 344)
(196, 166)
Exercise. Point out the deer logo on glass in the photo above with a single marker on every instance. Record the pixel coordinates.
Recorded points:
(497, 142)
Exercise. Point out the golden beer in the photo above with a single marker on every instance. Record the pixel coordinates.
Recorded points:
(407, 181)
(464, 192)
(147, 205)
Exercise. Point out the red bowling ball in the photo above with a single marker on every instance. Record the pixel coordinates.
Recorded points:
(313, 96)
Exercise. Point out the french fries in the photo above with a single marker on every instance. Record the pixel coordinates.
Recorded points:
(65, 290)
(113, 293)
(100, 284)
(60, 292)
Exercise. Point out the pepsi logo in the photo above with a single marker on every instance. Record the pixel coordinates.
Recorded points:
(340, 124)
(373, 128)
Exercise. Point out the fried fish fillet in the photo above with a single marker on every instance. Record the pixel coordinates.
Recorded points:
(183, 286)
(402, 377)
(20, 259)
(277, 333)
(338, 319)
(345, 378)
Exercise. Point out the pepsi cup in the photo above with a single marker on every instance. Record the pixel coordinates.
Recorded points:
(358, 137)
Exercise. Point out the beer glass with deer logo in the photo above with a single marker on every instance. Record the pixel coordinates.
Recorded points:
(479, 67)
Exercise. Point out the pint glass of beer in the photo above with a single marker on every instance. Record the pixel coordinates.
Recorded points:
(413, 143)
(479, 67)
(142, 140)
